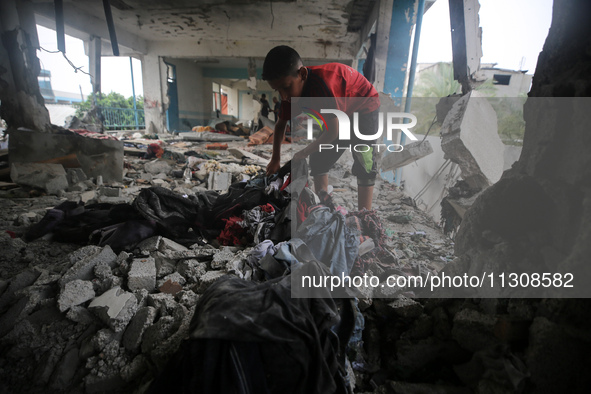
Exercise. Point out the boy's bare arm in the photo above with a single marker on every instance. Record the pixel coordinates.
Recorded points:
(278, 136)
(326, 137)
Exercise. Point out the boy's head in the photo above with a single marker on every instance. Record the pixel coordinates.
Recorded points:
(275, 99)
(284, 71)
(263, 95)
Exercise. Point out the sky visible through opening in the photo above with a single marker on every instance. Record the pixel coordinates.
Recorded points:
(513, 35)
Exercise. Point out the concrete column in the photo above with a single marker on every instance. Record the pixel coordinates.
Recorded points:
(466, 40)
(397, 63)
(94, 62)
(155, 98)
(383, 37)
(21, 102)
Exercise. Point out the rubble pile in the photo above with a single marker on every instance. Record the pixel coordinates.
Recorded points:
(88, 319)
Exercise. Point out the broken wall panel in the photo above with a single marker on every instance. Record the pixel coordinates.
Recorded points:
(96, 156)
(470, 138)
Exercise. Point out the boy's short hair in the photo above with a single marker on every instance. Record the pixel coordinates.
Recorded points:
(280, 62)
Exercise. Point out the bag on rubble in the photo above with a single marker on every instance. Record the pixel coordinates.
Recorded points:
(242, 196)
(256, 338)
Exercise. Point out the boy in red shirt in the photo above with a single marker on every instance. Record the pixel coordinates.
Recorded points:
(284, 71)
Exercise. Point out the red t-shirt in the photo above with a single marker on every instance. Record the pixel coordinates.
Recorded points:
(340, 81)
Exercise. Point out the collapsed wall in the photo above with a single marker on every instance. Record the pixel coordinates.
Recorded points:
(537, 218)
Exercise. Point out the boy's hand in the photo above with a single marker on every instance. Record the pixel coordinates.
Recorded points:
(273, 167)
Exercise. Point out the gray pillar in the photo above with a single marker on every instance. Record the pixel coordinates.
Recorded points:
(21, 102)
(94, 61)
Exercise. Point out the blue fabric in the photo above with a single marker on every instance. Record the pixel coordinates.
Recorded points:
(330, 240)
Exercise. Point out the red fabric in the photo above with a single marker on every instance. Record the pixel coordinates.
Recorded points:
(232, 232)
(11, 233)
(217, 145)
(339, 81)
(94, 134)
(156, 149)
(267, 208)
(286, 184)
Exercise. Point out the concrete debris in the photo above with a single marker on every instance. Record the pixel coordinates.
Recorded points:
(115, 308)
(219, 181)
(132, 339)
(74, 293)
(115, 319)
(412, 152)
(84, 268)
(157, 166)
(470, 138)
(48, 177)
(96, 157)
(142, 274)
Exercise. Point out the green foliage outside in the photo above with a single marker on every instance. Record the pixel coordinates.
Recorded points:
(117, 111)
(439, 82)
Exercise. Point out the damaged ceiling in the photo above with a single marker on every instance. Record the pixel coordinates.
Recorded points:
(320, 22)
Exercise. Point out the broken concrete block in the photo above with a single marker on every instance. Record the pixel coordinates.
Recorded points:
(473, 330)
(146, 176)
(142, 274)
(164, 265)
(132, 339)
(74, 293)
(199, 253)
(208, 279)
(149, 245)
(84, 268)
(163, 302)
(87, 196)
(406, 308)
(110, 191)
(157, 166)
(115, 308)
(78, 187)
(75, 176)
(49, 177)
(65, 370)
(187, 298)
(170, 245)
(411, 152)
(156, 333)
(160, 182)
(134, 370)
(192, 270)
(22, 280)
(470, 138)
(221, 258)
(80, 315)
(219, 181)
(175, 277)
(13, 316)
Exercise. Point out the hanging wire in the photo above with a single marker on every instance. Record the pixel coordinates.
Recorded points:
(76, 69)
(429, 129)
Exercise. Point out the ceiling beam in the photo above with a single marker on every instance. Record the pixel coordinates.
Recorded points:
(82, 25)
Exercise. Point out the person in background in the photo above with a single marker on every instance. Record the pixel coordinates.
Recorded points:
(276, 106)
(265, 106)
(285, 72)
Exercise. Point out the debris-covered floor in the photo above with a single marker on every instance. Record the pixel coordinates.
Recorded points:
(108, 318)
